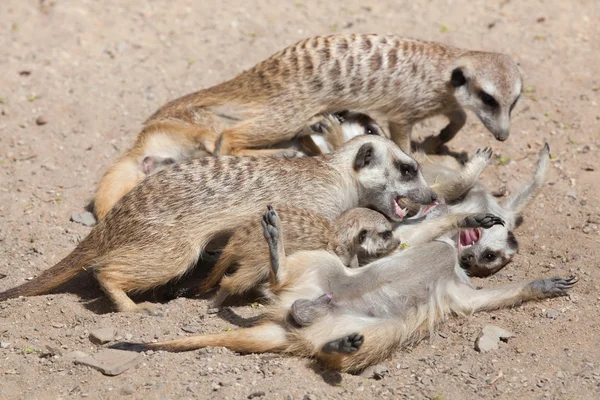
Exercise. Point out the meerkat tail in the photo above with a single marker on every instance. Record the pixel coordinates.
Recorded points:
(257, 339)
(50, 279)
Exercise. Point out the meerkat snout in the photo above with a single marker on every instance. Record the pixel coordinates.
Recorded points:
(489, 84)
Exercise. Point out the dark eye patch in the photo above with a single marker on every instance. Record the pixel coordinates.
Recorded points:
(488, 100)
(408, 171)
(514, 104)
(385, 235)
(362, 236)
(489, 256)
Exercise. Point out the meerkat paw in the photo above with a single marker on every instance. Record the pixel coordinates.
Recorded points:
(485, 221)
(484, 154)
(288, 153)
(304, 311)
(554, 287)
(346, 345)
(271, 226)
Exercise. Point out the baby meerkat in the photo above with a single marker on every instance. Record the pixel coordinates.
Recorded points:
(158, 232)
(351, 319)
(356, 232)
(395, 80)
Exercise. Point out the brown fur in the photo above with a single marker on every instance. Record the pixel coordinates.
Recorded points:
(387, 304)
(304, 230)
(160, 229)
(393, 79)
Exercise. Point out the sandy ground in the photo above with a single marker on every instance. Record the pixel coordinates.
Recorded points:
(93, 71)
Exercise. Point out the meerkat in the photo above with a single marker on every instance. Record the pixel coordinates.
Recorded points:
(397, 81)
(159, 230)
(353, 318)
(356, 232)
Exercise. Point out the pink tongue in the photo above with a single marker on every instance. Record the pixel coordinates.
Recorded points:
(463, 237)
(473, 234)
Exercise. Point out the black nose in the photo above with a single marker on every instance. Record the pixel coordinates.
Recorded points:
(434, 197)
(467, 258)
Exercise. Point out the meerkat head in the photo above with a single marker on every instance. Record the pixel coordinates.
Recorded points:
(369, 232)
(485, 252)
(385, 175)
(489, 84)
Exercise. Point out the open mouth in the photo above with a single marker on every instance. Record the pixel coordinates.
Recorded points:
(467, 238)
(424, 210)
(400, 212)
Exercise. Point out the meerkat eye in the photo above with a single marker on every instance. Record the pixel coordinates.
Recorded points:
(488, 100)
(362, 236)
(386, 235)
(489, 256)
(407, 170)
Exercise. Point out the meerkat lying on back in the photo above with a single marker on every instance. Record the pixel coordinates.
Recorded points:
(353, 318)
(397, 81)
(358, 231)
(156, 233)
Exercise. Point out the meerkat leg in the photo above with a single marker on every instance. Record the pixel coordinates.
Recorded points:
(304, 312)
(400, 135)
(274, 236)
(347, 344)
(473, 300)
(432, 144)
(117, 295)
(257, 339)
(466, 178)
(370, 341)
(429, 230)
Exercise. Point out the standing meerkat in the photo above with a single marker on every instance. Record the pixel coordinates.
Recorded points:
(158, 232)
(356, 232)
(395, 80)
(353, 318)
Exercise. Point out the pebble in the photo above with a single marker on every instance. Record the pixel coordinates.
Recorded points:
(189, 329)
(212, 310)
(489, 337)
(128, 336)
(378, 371)
(256, 394)
(128, 390)
(4, 345)
(111, 362)
(41, 120)
(84, 218)
(552, 314)
(102, 335)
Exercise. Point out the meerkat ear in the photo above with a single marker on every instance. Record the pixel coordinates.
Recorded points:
(458, 77)
(364, 156)
(513, 244)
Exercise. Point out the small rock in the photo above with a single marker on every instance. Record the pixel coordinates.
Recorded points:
(190, 389)
(103, 335)
(128, 336)
(128, 390)
(212, 310)
(41, 120)
(377, 372)
(571, 193)
(111, 362)
(4, 345)
(189, 329)
(552, 314)
(586, 149)
(500, 192)
(489, 337)
(84, 218)
(256, 394)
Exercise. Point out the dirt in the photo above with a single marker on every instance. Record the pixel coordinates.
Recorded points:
(78, 78)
